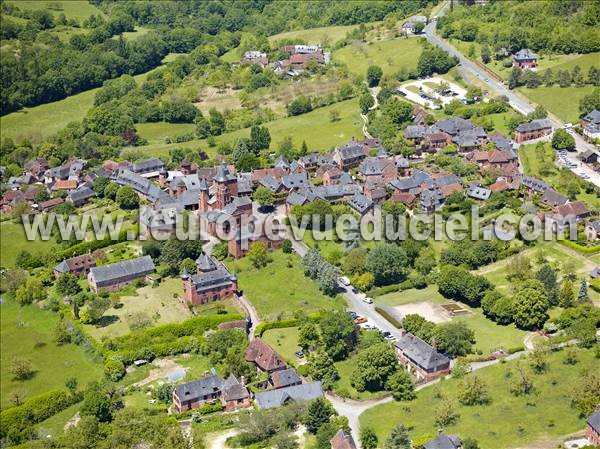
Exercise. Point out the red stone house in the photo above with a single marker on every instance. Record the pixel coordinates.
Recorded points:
(211, 389)
(211, 282)
(117, 275)
(342, 440)
(420, 358)
(264, 357)
(535, 129)
(524, 59)
(592, 430)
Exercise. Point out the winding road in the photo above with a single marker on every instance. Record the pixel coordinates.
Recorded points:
(515, 100)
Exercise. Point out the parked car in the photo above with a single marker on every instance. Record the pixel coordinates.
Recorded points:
(368, 300)
(344, 280)
(401, 93)
(353, 315)
(299, 354)
(361, 320)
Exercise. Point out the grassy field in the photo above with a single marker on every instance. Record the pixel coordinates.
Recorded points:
(159, 304)
(325, 36)
(55, 424)
(553, 99)
(321, 134)
(284, 341)
(541, 165)
(489, 335)
(39, 122)
(14, 241)
(278, 290)
(509, 421)
(73, 9)
(390, 55)
(27, 332)
(155, 133)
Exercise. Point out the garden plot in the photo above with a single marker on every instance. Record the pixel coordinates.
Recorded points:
(427, 309)
(428, 92)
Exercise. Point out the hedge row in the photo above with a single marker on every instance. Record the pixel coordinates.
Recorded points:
(281, 324)
(391, 288)
(15, 421)
(393, 321)
(577, 247)
(163, 334)
(93, 245)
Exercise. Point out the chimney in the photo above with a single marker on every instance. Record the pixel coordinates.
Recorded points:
(243, 381)
(206, 373)
(434, 343)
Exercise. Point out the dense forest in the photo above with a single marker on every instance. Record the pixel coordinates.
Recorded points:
(566, 26)
(38, 67)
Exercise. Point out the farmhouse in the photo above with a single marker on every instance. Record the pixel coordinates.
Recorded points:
(117, 275)
(590, 124)
(420, 358)
(281, 396)
(349, 155)
(285, 378)
(524, 59)
(255, 57)
(77, 265)
(211, 282)
(533, 130)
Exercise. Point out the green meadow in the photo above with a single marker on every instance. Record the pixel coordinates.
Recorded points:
(508, 421)
(563, 102)
(280, 288)
(14, 241)
(325, 36)
(28, 332)
(314, 127)
(73, 9)
(391, 55)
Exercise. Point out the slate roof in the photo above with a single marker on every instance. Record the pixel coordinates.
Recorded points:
(443, 441)
(594, 421)
(213, 274)
(145, 187)
(552, 198)
(576, 208)
(223, 174)
(270, 183)
(534, 125)
(200, 388)
(80, 194)
(593, 117)
(285, 378)
(282, 162)
(417, 178)
(534, 184)
(351, 150)
(295, 180)
(360, 203)
(296, 199)
(127, 269)
(421, 352)
(501, 142)
(373, 166)
(233, 390)
(524, 54)
(595, 225)
(189, 181)
(276, 398)
(453, 126)
(148, 165)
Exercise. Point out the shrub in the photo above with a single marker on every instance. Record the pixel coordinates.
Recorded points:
(114, 369)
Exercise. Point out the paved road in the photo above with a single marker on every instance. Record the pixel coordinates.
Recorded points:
(355, 302)
(516, 101)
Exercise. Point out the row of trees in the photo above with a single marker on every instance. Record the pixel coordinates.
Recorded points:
(548, 78)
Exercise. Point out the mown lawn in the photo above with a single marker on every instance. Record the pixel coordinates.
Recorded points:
(39, 122)
(278, 290)
(489, 335)
(315, 127)
(324, 36)
(14, 241)
(73, 9)
(28, 332)
(509, 421)
(284, 341)
(161, 305)
(157, 132)
(391, 55)
(554, 99)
